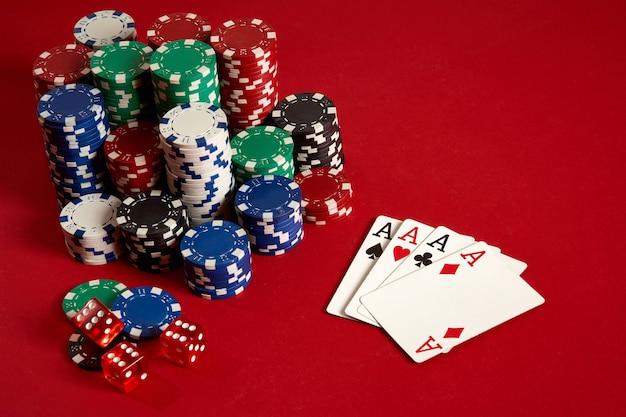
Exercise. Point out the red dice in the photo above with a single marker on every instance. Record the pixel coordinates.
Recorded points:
(182, 342)
(98, 322)
(124, 366)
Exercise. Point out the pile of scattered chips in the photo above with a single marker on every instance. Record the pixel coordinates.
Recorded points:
(134, 157)
(262, 150)
(61, 65)
(311, 118)
(90, 229)
(248, 68)
(145, 312)
(195, 141)
(326, 195)
(152, 224)
(184, 71)
(75, 125)
(176, 26)
(269, 209)
(121, 71)
(217, 258)
(103, 28)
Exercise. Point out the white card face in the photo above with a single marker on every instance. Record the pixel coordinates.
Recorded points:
(433, 309)
(439, 244)
(408, 236)
(373, 246)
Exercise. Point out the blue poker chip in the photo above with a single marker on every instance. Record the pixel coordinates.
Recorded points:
(268, 198)
(217, 277)
(208, 284)
(291, 223)
(215, 244)
(146, 311)
(71, 105)
(219, 293)
(276, 251)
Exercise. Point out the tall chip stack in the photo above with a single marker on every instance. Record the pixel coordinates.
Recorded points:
(198, 159)
(121, 71)
(269, 208)
(184, 71)
(90, 229)
(75, 125)
(248, 68)
(152, 224)
(217, 259)
(134, 157)
(311, 119)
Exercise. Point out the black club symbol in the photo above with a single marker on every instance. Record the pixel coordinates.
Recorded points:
(423, 259)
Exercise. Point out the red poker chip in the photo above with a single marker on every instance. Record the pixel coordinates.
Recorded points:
(134, 157)
(62, 64)
(322, 220)
(324, 190)
(134, 143)
(248, 38)
(177, 26)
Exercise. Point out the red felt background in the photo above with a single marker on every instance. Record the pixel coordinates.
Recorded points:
(503, 120)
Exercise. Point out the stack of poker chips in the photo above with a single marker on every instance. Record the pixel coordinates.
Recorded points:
(326, 195)
(262, 150)
(134, 157)
(61, 65)
(199, 170)
(121, 71)
(217, 259)
(152, 224)
(104, 27)
(75, 125)
(184, 71)
(176, 26)
(248, 69)
(311, 118)
(270, 209)
(89, 225)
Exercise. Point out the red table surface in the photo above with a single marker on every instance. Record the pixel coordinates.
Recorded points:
(502, 120)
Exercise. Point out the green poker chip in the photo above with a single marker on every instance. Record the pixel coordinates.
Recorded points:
(121, 71)
(121, 62)
(184, 71)
(183, 61)
(261, 149)
(105, 290)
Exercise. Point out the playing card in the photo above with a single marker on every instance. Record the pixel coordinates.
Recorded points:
(436, 308)
(440, 243)
(371, 249)
(408, 236)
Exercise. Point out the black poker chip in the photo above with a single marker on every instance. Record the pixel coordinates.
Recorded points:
(311, 119)
(85, 353)
(152, 224)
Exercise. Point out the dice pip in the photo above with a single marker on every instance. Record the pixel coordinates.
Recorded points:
(182, 342)
(124, 366)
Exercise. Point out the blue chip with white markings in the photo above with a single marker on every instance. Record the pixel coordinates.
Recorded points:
(71, 105)
(146, 311)
(268, 198)
(215, 244)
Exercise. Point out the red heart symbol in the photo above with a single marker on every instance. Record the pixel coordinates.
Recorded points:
(399, 252)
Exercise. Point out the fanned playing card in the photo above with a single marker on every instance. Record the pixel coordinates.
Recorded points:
(408, 236)
(371, 249)
(439, 244)
(436, 308)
